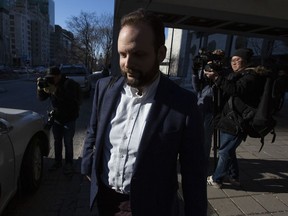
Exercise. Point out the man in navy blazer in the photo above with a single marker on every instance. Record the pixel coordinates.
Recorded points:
(144, 130)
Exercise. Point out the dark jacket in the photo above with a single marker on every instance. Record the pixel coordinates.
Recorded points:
(66, 100)
(205, 93)
(173, 129)
(246, 85)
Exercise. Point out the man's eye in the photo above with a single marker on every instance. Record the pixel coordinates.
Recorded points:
(122, 55)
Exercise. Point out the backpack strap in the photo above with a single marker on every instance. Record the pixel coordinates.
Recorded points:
(272, 141)
(262, 143)
(274, 135)
(234, 116)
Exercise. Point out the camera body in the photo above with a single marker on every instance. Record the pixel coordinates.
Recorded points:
(215, 60)
(45, 81)
(207, 60)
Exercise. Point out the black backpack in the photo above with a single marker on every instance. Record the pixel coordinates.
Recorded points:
(257, 123)
(263, 122)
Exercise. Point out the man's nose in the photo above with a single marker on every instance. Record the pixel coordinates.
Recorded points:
(129, 61)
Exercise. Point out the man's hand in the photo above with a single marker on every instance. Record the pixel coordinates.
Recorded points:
(38, 80)
(210, 73)
(51, 89)
(213, 75)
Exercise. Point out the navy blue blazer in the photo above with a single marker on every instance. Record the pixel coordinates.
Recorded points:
(173, 133)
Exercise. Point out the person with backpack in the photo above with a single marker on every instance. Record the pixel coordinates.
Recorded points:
(245, 85)
(64, 94)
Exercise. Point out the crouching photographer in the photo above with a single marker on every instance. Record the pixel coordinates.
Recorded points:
(65, 97)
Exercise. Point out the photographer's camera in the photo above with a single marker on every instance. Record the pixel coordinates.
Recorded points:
(45, 82)
(208, 61)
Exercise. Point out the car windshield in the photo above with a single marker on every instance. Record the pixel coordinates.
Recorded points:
(73, 71)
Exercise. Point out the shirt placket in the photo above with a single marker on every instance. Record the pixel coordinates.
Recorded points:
(124, 149)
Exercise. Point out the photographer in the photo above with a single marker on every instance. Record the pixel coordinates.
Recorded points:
(244, 84)
(207, 93)
(65, 99)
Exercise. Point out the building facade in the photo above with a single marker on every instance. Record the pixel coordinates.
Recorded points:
(27, 33)
(184, 45)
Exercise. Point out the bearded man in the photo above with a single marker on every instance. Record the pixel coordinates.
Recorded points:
(142, 124)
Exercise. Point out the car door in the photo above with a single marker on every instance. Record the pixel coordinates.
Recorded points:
(7, 164)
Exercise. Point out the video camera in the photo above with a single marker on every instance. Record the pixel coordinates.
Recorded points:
(45, 81)
(207, 60)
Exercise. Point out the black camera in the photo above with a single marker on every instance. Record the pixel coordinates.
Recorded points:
(215, 62)
(44, 82)
(207, 60)
(50, 119)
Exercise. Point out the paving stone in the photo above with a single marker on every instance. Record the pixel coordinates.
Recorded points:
(283, 197)
(248, 205)
(233, 191)
(271, 203)
(225, 207)
(215, 193)
(280, 213)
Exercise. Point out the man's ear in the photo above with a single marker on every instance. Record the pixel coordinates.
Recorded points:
(162, 53)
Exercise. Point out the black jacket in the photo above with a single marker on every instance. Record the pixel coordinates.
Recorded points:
(246, 85)
(66, 100)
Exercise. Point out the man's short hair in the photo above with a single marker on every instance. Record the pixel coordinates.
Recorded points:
(142, 16)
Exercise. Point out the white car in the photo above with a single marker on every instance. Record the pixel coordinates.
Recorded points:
(23, 143)
(96, 75)
(79, 74)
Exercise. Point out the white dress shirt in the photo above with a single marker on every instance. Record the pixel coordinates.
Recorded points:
(123, 138)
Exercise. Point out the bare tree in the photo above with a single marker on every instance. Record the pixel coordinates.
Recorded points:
(85, 28)
(93, 37)
(106, 37)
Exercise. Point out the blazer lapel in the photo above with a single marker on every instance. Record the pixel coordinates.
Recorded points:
(111, 97)
(109, 104)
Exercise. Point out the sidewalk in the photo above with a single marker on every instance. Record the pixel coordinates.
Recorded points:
(263, 177)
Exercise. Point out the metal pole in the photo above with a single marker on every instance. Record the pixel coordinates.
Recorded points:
(172, 38)
(216, 136)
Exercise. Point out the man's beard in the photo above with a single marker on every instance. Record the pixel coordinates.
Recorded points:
(137, 78)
